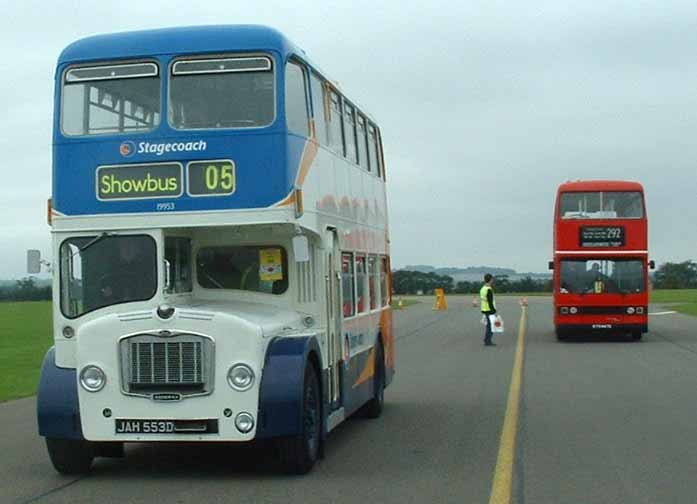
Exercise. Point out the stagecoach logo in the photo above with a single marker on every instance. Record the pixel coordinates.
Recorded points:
(127, 149)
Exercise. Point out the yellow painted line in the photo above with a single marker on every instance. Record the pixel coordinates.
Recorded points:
(502, 487)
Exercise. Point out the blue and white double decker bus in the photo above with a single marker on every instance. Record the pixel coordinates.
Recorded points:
(220, 244)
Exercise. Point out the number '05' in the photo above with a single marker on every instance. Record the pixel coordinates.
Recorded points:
(219, 177)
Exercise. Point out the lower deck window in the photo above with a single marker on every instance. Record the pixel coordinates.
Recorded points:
(257, 268)
(347, 285)
(600, 276)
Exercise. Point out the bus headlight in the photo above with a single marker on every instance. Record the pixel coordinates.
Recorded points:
(564, 310)
(573, 310)
(92, 378)
(640, 310)
(240, 377)
(630, 310)
(244, 422)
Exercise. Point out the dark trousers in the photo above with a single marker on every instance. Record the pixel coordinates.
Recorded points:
(487, 332)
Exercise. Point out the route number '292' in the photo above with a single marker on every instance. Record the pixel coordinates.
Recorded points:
(614, 233)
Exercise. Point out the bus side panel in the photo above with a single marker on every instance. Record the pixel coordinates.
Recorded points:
(281, 394)
(388, 341)
(359, 386)
(58, 410)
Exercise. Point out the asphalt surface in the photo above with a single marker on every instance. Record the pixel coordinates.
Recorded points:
(601, 422)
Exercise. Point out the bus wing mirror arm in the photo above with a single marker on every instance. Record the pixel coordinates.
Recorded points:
(550, 265)
(168, 277)
(652, 264)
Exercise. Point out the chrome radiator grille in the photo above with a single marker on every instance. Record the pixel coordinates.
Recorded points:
(167, 363)
(181, 364)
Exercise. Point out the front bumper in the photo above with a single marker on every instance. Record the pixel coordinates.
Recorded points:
(601, 328)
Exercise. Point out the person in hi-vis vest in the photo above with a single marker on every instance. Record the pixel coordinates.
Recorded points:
(486, 296)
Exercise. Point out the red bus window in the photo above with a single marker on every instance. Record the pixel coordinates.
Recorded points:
(384, 284)
(347, 284)
(362, 285)
(373, 280)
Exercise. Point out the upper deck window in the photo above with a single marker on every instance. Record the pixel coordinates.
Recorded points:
(297, 117)
(222, 93)
(602, 205)
(319, 108)
(335, 124)
(350, 133)
(107, 99)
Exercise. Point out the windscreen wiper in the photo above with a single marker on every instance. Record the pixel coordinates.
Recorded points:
(209, 277)
(93, 241)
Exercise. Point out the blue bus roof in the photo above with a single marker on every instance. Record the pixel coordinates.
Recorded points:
(181, 40)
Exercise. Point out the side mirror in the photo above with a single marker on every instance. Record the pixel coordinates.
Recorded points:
(652, 264)
(301, 249)
(550, 265)
(33, 262)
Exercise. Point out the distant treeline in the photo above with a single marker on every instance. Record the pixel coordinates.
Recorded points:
(415, 282)
(25, 289)
(668, 276)
(676, 276)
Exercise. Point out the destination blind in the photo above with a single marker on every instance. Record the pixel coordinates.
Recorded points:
(602, 236)
(165, 180)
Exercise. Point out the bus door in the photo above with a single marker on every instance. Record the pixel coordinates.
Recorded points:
(333, 281)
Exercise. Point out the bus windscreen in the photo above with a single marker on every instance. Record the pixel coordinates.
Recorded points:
(600, 276)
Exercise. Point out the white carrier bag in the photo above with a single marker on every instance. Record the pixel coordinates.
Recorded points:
(496, 323)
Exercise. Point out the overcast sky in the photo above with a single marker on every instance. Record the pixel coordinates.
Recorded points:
(485, 107)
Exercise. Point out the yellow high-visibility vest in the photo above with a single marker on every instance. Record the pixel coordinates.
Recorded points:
(483, 297)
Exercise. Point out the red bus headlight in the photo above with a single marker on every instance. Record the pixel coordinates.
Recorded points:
(564, 310)
(630, 310)
(640, 310)
(573, 310)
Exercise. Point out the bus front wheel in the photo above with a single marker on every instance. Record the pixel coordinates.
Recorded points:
(636, 335)
(70, 456)
(298, 454)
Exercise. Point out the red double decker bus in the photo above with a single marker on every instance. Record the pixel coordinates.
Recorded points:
(601, 281)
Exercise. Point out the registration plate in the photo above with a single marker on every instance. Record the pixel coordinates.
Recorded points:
(147, 426)
(126, 426)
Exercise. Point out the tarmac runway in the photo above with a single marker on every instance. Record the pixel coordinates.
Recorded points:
(601, 422)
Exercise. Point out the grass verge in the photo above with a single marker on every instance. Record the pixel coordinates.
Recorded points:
(25, 336)
(681, 300)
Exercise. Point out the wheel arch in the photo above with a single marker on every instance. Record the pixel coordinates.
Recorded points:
(281, 391)
(57, 404)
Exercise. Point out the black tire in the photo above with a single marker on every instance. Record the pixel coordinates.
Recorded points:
(69, 456)
(636, 335)
(298, 454)
(561, 335)
(374, 407)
